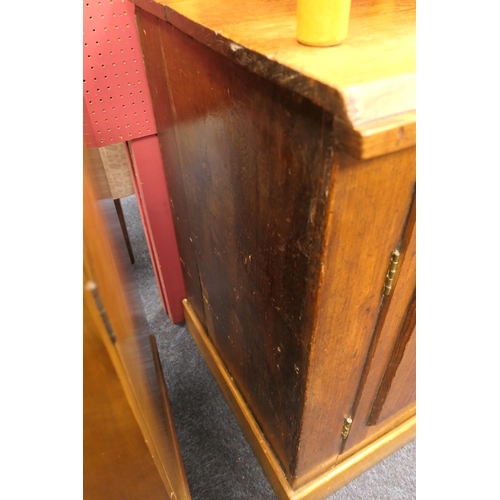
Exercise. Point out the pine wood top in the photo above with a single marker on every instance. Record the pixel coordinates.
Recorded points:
(368, 82)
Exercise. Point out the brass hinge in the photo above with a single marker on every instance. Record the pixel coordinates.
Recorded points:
(347, 427)
(391, 272)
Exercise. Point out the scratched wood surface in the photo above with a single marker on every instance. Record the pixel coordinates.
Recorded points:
(285, 238)
(150, 30)
(368, 81)
(256, 182)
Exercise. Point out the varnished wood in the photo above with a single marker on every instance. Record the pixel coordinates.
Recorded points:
(364, 81)
(321, 486)
(236, 402)
(376, 138)
(406, 332)
(384, 337)
(364, 227)
(402, 391)
(285, 237)
(150, 28)
(175, 457)
(257, 184)
(376, 432)
(126, 334)
(347, 470)
(104, 253)
(117, 463)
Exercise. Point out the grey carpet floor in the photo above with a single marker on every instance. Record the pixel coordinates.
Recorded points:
(219, 463)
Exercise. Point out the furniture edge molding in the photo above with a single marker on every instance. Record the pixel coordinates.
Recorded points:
(356, 139)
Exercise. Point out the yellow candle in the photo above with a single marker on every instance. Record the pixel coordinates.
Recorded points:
(322, 23)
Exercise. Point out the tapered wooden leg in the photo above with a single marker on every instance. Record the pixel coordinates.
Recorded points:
(119, 211)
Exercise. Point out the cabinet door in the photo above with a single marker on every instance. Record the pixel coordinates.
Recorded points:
(130, 444)
(386, 394)
(117, 463)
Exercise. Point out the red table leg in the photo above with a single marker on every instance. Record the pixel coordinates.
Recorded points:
(154, 206)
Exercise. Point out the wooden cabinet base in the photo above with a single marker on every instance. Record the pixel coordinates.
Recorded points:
(321, 486)
(293, 191)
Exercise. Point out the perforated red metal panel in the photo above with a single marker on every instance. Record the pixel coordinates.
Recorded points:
(115, 87)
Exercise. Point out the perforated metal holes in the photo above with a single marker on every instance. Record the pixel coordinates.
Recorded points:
(115, 87)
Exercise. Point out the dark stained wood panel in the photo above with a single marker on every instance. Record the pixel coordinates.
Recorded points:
(285, 239)
(257, 180)
(365, 80)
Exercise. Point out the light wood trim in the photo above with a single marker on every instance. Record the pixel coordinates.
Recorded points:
(328, 482)
(376, 138)
(360, 462)
(382, 343)
(386, 427)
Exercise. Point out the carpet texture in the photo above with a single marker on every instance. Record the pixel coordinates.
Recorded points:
(219, 463)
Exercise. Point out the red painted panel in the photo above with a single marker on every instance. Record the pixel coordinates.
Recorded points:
(117, 99)
(115, 88)
(154, 203)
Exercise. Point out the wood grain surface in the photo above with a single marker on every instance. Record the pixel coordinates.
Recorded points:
(391, 317)
(395, 365)
(150, 31)
(124, 334)
(236, 402)
(366, 456)
(257, 183)
(399, 390)
(367, 80)
(285, 238)
(364, 227)
(117, 463)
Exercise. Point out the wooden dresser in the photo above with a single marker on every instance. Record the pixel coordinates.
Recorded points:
(291, 172)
